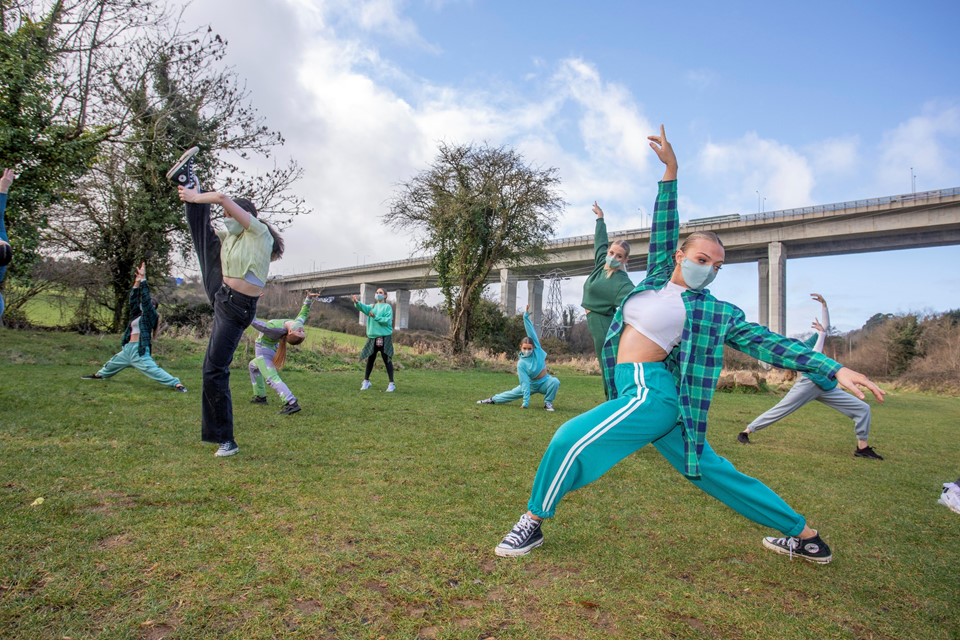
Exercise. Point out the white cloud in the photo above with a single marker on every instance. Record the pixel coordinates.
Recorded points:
(926, 143)
(742, 168)
(838, 156)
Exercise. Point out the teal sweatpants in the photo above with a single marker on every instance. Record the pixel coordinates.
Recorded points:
(598, 325)
(586, 447)
(128, 357)
(548, 386)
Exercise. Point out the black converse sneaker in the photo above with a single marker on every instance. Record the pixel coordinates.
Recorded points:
(290, 408)
(182, 170)
(867, 452)
(524, 536)
(812, 549)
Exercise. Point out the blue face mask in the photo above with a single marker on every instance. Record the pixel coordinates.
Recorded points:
(380, 296)
(697, 276)
(613, 263)
(526, 353)
(233, 227)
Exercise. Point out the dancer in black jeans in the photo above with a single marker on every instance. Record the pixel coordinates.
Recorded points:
(234, 265)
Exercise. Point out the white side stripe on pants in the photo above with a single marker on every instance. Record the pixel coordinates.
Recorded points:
(605, 426)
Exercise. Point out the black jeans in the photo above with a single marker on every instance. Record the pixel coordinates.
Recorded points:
(232, 314)
(387, 361)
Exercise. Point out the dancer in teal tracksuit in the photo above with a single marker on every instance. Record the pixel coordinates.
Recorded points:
(662, 359)
(532, 372)
(137, 339)
(271, 352)
(379, 336)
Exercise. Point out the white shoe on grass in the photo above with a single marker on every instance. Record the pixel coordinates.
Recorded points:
(365, 385)
(391, 387)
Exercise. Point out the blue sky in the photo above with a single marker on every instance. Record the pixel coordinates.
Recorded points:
(807, 103)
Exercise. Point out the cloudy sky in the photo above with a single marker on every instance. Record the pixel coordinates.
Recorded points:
(768, 106)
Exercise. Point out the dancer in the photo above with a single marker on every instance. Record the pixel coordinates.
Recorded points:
(814, 387)
(662, 358)
(6, 252)
(234, 265)
(532, 372)
(379, 336)
(136, 345)
(606, 286)
(271, 353)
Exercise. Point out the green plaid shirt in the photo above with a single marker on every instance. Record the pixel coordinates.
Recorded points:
(696, 362)
(141, 305)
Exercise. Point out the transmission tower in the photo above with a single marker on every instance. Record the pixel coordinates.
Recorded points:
(553, 322)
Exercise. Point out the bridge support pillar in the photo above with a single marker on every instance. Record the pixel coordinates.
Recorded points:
(508, 292)
(402, 317)
(777, 257)
(763, 308)
(535, 300)
(366, 297)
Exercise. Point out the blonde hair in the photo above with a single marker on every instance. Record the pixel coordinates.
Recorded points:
(626, 249)
(700, 235)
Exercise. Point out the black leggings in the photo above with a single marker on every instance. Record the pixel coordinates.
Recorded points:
(387, 361)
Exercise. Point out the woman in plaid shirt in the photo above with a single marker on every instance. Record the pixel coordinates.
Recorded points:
(662, 357)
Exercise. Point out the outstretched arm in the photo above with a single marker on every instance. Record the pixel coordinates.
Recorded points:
(230, 208)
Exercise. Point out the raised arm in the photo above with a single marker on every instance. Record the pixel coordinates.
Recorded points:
(823, 328)
(601, 242)
(530, 329)
(665, 229)
(230, 208)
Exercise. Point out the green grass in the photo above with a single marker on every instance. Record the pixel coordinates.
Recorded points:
(374, 515)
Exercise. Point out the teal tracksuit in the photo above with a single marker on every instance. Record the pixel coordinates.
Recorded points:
(527, 369)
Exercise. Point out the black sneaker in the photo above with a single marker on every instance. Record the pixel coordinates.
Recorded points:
(524, 536)
(180, 388)
(743, 438)
(290, 408)
(867, 452)
(813, 549)
(182, 171)
(92, 377)
(227, 448)
(259, 400)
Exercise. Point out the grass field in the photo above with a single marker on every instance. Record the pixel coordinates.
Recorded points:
(373, 515)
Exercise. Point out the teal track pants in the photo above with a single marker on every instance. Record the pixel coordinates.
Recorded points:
(128, 357)
(586, 447)
(598, 325)
(548, 386)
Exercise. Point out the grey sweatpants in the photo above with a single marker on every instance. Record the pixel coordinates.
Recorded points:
(804, 391)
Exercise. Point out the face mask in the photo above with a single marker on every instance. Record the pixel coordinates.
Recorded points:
(233, 227)
(380, 296)
(613, 263)
(526, 352)
(695, 275)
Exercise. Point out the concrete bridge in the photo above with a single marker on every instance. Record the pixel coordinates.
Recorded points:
(921, 219)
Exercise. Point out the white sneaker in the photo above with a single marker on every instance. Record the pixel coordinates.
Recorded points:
(950, 497)
(548, 406)
(391, 387)
(364, 385)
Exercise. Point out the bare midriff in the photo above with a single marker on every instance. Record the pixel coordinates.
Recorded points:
(637, 348)
(242, 286)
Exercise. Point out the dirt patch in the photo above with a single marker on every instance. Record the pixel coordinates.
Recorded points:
(114, 541)
(156, 630)
(308, 606)
(429, 632)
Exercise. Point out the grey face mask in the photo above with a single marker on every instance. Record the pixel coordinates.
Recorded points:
(233, 227)
(695, 275)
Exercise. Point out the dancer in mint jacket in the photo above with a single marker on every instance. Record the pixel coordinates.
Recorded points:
(379, 336)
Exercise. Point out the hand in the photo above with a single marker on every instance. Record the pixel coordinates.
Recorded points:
(188, 195)
(850, 380)
(141, 273)
(6, 180)
(664, 150)
(597, 210)
(818, 298)
(817, 326)
(527, 309)
(313, 295)
(355, 298)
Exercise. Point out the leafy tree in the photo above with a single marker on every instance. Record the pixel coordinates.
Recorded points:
(476, 208)
(903, 339)
(48, 146)
(152, 89)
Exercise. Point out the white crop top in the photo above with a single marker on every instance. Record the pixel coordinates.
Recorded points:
(657, 314)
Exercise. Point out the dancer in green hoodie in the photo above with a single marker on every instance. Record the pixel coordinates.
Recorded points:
(379, 336)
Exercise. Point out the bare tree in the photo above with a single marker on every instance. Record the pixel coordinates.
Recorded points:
(473, 209)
